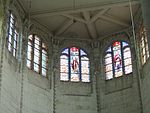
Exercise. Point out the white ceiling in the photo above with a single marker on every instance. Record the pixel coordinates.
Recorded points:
(90, 19)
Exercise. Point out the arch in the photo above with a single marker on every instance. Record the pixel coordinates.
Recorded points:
(37, 55)
(13, 33)
(117, 60)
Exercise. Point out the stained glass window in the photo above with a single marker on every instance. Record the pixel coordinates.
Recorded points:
(117, 60)
(37, 55)
(13, 35)
(74, 65)
(144, 51)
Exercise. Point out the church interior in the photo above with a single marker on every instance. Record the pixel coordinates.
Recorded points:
(74, 56)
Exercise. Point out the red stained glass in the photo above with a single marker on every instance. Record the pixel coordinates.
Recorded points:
(74, 49)
(116, 44)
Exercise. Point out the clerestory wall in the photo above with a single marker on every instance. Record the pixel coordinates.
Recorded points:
(24, 91)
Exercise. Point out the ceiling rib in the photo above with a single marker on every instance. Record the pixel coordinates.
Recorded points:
(75, 18)
(64, 27)
(90, 26)
(96, 16)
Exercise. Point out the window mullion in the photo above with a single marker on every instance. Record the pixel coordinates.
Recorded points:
(113, 68)
(122, 57)
(80, 73)
(69, 66)
(8, 29)
(32, 52)
(40, 57)
(12, 39)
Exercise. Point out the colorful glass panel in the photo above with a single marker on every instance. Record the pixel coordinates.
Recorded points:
(44, 72)
(85, 69)
(28, 63)
(82, 52)
(128, 69)
(37, 55)
(109, 49)
(109, 75)
(65, 51)
(74, 65)
(12, 35)
(127, 53)
(108, 68)
(74, 60)
(108, 59)
(143, 45)
(64, 70)
(124, 44)
(36, 67)
(119, 72)
(118, 60)
(127, 60)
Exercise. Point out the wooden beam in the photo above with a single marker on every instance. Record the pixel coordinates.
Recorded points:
(90, 26)
(96, 16)
(64, 27)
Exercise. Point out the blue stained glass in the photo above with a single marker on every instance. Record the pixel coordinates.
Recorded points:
(109, 49)
(65, 51)
(82, 52)
(124, 44)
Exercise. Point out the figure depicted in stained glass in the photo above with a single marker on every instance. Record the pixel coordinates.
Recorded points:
(118, 60)
(74, 65)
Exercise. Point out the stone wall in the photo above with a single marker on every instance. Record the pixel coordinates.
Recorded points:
(25, 91)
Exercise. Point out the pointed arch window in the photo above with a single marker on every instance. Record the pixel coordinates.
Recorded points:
(144, 51)
(117, 60)
(12, 36)
(74, 65)
(37, 58)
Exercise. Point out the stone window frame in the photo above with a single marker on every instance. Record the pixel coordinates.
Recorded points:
(143, 44)
(42, 50)
(12, 34)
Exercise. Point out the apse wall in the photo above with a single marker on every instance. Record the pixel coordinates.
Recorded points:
(143, 70)
(145, 87)
(25, 91)
(119, 95)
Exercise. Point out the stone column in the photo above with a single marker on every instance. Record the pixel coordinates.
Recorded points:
(146, 17)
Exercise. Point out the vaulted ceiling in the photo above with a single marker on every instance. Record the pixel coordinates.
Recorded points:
(87, 19)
